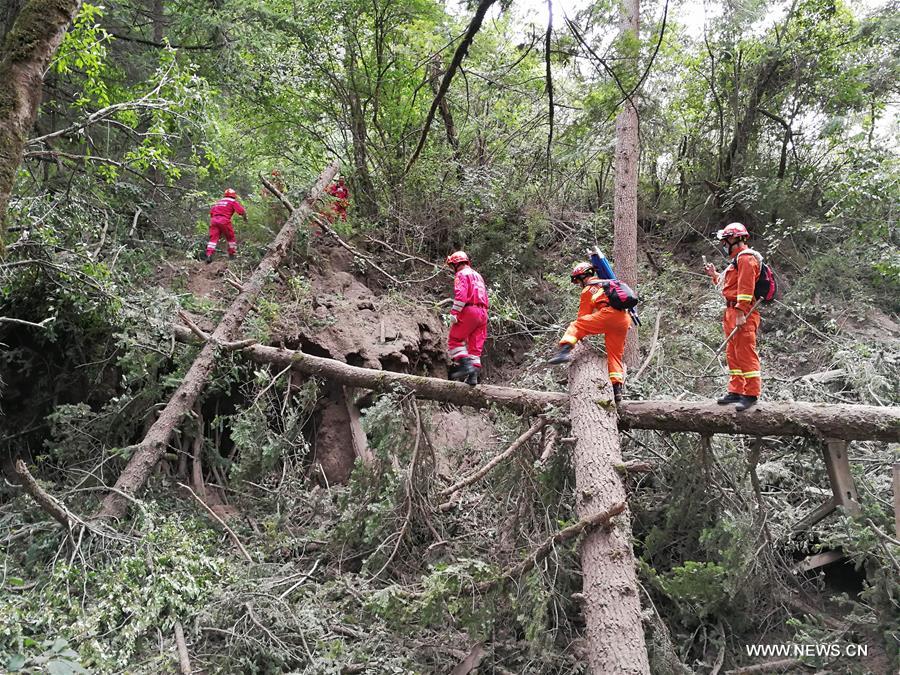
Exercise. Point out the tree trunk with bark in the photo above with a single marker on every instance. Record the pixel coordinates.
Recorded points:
(817, 420)
(363, 189)
(612, 609)
(25, 54)
(627, 154)
(149, 451)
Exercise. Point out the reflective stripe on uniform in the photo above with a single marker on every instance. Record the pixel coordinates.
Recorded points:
(568, 340)
(615, 374)
(476, 361)
(751, 373)
(735, 372)
(458, 351)
(458, 305)
(744, 298)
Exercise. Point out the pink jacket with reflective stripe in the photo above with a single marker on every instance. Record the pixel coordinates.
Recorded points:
(468, 289)
(220, 213)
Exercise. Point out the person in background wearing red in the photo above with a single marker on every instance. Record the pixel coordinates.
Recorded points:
(341, 195)
(468, 319)
(220, 223)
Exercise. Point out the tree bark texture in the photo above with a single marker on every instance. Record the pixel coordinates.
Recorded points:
(148, 452)
(626, 174)
(614, 633)
(818, 420)
(25, 54)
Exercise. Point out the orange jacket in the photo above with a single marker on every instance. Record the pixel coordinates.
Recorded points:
(740, 278)
(593, 298)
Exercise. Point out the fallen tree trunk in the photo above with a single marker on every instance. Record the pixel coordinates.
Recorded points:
(149, 451)
(482, 396)
(818, 420)
(614, 633)
(847, 422)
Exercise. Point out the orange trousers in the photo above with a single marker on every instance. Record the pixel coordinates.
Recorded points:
(741, 354)
(613, 324)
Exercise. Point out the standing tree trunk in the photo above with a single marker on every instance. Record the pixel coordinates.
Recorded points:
(24, 56)
(149, 451)
(614, 634)
(627, 152)
(363, 189)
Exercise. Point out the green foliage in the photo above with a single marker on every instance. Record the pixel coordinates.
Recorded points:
(107, 611)
(268, 432)
(448, 593)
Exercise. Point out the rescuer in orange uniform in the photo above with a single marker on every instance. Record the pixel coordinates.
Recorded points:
(737, 283)
(595, 317)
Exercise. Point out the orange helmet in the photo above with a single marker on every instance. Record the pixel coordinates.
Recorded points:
(457, 258)
(276, 172)
(231, 193)
(581, 270)
(732, 230)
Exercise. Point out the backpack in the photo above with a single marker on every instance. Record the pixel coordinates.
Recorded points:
(766, 288)
(618, 293)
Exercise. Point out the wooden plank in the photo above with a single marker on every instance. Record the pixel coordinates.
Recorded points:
(819, 560)
(838, 467)
(826, 509)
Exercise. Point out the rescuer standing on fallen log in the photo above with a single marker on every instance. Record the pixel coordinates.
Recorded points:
(220, 223)
(468, 320)
(597, 315)
(737, 284)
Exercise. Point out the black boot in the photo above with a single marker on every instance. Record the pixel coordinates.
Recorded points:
(564, 355)
(617, 392)
(463, 370)
(746, 402)
(473, 377)
(730, 397)
(208, 259)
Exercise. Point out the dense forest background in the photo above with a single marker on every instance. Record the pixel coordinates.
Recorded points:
(782, 115)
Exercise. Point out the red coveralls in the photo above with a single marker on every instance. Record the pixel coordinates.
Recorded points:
(220, 224)
(470, 305)
(737, 283)
(342, 199)
(596, 317)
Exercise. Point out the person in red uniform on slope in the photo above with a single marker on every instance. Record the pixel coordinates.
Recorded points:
(341, 195)
(220, 223)
(737, 283)
(596, 317)
(468, 319)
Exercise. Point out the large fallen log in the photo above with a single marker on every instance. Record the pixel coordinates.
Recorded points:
(849, 422)
(825, 420)
(149, 451)
(614, 635)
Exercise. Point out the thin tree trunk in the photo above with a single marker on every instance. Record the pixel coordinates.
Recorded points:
(627, 154)
(614, 633)
(148, 452)
(435, 74)
(24, 56)
(363, 189)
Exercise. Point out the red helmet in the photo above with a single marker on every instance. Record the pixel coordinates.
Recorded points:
(581, 270)
(457, 258)
(231, 193)
(732, 230)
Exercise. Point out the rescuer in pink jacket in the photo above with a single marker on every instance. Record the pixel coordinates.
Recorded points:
(220, 223)
(468, 318)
